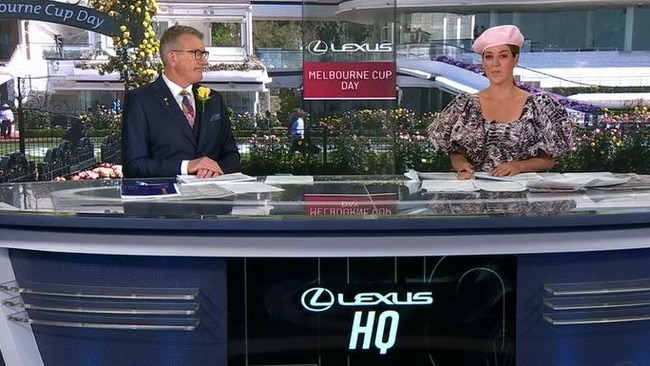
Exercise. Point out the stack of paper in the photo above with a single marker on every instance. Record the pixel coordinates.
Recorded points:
(521, 177)
(415, 175)
(234, 183)
(446, 182)
(448, 185)
(232, 177)
(249, 187)
(499, 186)
(289, 179)
(576, 181)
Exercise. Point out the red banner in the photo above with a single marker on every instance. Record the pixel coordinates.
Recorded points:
(349, 80)
(349, 204)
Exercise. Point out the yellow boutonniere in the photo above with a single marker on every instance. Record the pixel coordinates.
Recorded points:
(203, 94)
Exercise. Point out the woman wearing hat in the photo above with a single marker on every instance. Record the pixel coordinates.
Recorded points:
(502, 129)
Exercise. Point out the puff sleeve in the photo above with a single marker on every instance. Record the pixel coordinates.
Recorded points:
(442, 130)
(459, 128)
(554, 131)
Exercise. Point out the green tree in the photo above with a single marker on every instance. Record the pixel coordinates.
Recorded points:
(226, 34)
(272, 34)
(289, 100)
(337, 32)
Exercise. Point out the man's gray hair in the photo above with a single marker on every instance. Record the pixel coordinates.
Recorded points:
(170, 37)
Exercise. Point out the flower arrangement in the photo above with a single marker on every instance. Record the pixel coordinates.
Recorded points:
(89, 65)
(103, 171)
(203, 94)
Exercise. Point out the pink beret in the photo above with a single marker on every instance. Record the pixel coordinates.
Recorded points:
(496, 36)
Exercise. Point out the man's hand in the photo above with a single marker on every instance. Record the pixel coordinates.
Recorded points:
(506, 169)
(204, 167)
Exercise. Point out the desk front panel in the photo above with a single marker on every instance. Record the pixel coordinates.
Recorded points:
(271, 311)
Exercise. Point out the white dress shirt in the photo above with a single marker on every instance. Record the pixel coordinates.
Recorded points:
(176, 92)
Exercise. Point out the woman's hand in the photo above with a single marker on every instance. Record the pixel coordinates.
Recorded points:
(506, 169)
(465, 171)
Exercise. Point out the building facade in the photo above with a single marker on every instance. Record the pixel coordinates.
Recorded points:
(592, 39)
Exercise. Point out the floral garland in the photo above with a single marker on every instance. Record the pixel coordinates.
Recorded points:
(251, 64)
(136, 52)
(568, 103)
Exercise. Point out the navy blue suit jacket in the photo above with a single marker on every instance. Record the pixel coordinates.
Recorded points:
(156, 136)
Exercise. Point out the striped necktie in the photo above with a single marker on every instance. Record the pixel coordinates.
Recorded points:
(188, 109)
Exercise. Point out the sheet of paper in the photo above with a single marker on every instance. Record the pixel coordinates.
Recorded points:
(412, 174)
(203, 191)
(251, 210)
(587, 175)
(499, 186)
(413, 186)
(576, 181)
(596, 179)
(450, 185)
(231, 177)
(249, 187)
(289, 179)
(607, 181)
(556, 184)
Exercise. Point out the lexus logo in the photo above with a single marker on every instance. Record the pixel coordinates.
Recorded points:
(317, 299)
(317, 47)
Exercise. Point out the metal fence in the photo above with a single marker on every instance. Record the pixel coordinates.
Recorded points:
(46, 158)
(324, 151)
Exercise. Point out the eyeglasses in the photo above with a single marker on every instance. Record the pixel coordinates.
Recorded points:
(198, 54)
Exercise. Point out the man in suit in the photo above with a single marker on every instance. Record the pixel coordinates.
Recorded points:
(167, 127)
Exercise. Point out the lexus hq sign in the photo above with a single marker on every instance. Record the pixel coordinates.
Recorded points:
(372, 322)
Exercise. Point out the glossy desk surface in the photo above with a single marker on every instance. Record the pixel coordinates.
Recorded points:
(386, 216)
(341, 203)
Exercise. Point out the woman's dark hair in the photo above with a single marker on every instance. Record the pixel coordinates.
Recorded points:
(514, 50)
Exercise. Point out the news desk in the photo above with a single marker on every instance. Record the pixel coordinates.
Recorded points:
(344, 270)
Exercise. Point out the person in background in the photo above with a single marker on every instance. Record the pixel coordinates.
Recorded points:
(297, 125)
(297, 130)
(58, 42)
(173, 125)
(75, 132)
(97, 52)
(6, 121)
(268, 117)
(502, 129)
(116, 106)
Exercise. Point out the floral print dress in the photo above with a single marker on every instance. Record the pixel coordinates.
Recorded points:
(543, 126)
